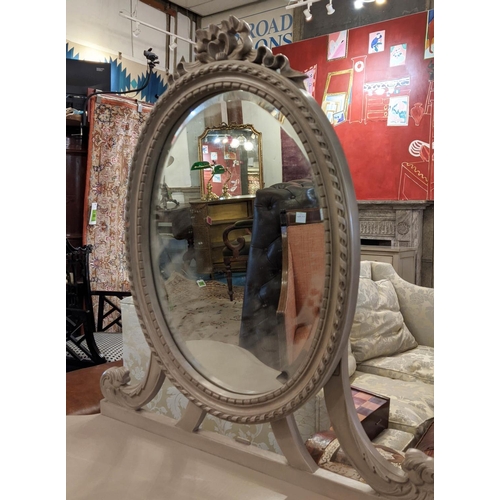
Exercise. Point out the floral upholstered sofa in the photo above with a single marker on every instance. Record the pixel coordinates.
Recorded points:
(390, 353)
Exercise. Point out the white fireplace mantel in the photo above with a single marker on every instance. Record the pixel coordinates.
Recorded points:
(397, 222)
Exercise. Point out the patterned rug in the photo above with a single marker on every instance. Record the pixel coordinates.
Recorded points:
(196, 313)
(114, 127)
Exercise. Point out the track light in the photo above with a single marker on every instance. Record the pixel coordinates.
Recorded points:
(293, 4)
(307, 12)
(137, 29)
(173, 45)
(359, 3)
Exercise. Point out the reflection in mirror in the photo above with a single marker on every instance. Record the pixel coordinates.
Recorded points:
(236, 149)
(240, 275)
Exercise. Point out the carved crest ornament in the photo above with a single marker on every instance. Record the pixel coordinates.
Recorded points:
(226, 61)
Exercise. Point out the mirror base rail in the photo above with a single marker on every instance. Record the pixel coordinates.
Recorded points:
(271, 464)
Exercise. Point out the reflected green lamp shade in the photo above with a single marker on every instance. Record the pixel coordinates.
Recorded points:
(200, 165)
(219, 169)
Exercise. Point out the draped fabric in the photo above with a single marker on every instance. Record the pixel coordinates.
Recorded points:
(114, 127)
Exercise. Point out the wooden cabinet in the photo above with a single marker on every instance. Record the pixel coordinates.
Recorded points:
(402, 259)
(209, 219)
(76, 171)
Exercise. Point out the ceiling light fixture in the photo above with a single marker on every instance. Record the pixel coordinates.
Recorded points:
(359, 3)
(307, 12)
(329, 9)
(137, 30)
(301, 3)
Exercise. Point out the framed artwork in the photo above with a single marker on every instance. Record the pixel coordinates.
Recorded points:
(229, 155)
(376, 42)
(397, 55)
(429, 36)
(311, 79)
(334, 106)
(337, 45)
(398, 111)
(337, 94)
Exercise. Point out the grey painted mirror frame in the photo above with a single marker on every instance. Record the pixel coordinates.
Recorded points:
(226, 60)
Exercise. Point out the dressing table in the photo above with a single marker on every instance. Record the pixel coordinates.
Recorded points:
(209, 219)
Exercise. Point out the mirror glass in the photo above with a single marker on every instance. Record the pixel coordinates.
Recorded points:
(237, 149)
(253, 338)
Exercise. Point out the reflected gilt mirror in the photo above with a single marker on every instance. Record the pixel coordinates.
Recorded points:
(237, 148)
(246, 298)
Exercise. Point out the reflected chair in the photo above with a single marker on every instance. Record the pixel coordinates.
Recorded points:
(84, 345)
(236, 251)
(259, 321)
(302, 282)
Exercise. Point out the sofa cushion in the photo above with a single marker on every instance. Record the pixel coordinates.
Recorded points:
(351, 360)
(411, 407)
(415, 364)
(365, 269)
(395, 439)
(378, 328)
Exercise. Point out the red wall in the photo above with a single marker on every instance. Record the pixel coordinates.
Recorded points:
(378, 155)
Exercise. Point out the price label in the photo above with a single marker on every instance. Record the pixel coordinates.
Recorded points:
(93, 214)
(300, 217)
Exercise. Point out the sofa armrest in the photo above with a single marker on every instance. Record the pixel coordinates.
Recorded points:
(416, 303)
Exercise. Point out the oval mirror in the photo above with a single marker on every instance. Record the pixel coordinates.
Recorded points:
(215, 303)
(244, 297)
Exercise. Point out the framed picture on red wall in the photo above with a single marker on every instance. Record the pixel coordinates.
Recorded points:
(397, 55)
(376, 42)
(336, 96)
(429, 36)
(311, 79)
(337, 45)
(398, 112)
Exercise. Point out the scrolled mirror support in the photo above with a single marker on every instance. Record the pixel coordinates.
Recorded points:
(115, 385)
(415, 479)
